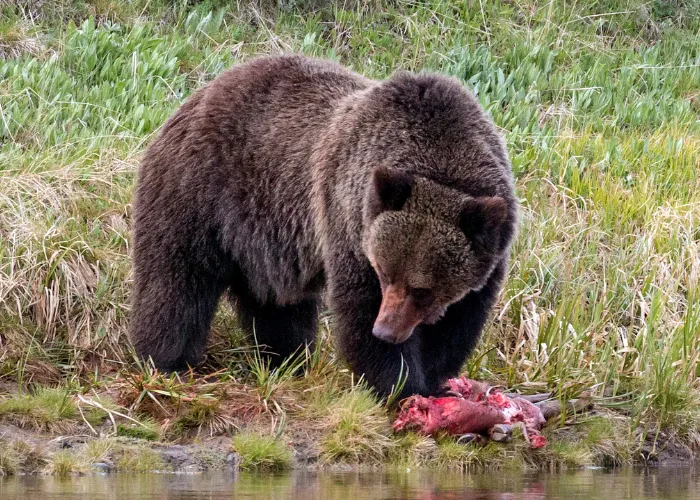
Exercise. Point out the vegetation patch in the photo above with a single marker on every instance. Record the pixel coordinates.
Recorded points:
(137, 459)
(454, 455)
(262, 452)
(9, 459)
(411, 451)
(45, 409)
(358, 429)
(65, 463)
(17, 40)
(145, 429)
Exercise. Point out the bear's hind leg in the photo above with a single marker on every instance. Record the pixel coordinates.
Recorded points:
(171, 316)
(280, 331)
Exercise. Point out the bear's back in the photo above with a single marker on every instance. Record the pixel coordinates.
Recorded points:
(264, 110)
(233, 161)
(279, 102)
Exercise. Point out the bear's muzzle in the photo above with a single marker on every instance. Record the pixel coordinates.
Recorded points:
(397, 317)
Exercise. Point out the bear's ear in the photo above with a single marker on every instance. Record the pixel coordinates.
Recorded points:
(390, 189)
(481, 220)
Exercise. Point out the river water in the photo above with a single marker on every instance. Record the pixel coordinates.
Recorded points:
(667, 483)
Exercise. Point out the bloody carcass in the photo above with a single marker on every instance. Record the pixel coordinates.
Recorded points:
(471, 407)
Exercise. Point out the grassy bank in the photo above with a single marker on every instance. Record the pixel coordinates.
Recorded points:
(600, 105)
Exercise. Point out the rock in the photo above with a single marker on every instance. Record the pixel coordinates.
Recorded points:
(102, 467)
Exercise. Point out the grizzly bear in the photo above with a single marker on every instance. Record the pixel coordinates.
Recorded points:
(288, 180)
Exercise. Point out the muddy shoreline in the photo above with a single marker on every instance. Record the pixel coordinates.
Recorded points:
(227, 425)
(217, 453)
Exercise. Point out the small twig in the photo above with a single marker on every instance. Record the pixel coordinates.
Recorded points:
(109, 412)
(486, 27)
(522, 426)
(86, 421)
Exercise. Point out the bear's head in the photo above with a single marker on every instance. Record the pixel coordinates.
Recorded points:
(430, 245)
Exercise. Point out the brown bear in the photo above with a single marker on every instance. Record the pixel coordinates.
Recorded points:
(288, 176)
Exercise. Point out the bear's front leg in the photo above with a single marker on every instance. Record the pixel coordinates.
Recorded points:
(431, 355)
(449, 342)
(354, 297)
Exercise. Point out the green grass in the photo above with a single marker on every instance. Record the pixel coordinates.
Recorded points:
(357, 429)
(268, 379)
(44, 409)
(51, 409)
(412, 451)
(261, 452)
(9, 459)
(98, 449)
(139, 459)
(453, 455)
(65, 463)
(146, 429)
(600, 106)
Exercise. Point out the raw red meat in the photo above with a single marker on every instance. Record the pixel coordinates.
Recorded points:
(456, 415)
(471, 407)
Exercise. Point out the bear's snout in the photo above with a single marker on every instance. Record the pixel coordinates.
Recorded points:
(385, 333)
(397, 316)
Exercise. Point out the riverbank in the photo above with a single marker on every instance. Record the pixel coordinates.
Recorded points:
(212, 424)
(600, 108)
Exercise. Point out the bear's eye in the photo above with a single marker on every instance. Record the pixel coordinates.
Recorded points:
(422, 296)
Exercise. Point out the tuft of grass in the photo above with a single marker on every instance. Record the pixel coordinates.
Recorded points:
(20, 457)
(187, 401)
(261, 452)
(137, 459)
(609, 440)
(157, 395)
(202, 414)
(16, 40)
(412, 451)
(146, 429)
(97, 450)
(356, 428)
(33, 458)
(454, 455)
(9, 459)
(562, 455)
(392, 399)
(66, 463)
(603, 440)
(270, 380)
(46, 409)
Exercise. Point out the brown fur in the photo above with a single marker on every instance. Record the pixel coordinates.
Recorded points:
(287, 174)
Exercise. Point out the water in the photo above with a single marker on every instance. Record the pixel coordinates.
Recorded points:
(667, 483)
